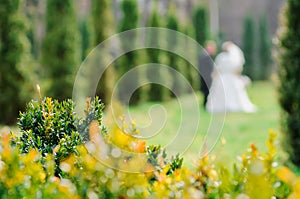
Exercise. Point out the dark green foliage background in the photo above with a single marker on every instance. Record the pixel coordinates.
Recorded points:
(289, 78)
(156, 92)
(201, 25)
(13, 48)
(249, 47)
(60, 52)
(257, 48)
(102, 28)
(264, 49)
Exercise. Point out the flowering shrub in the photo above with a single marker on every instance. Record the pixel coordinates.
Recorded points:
(23, 175)
(104, 167)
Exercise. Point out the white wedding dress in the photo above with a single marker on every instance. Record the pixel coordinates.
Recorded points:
(228, 89)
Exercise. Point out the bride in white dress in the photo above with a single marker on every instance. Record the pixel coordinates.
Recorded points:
(228, 89)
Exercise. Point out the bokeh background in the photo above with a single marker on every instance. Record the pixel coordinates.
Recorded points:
(44, 42)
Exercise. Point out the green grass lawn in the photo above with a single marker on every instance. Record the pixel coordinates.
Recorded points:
(239, 129)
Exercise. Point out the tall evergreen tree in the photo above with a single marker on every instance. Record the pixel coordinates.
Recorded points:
(128, 22)
(86, 38)
(35, 19)
(60, 51)
(102, 20)
(156, 92)
(32, 14)
(191, 71)
(12, 49)
(289, 74)
(202, 34)
(249, 47)
(264, 49)
(129, 60)
(174, 60)
(154, 54)
(201, 24)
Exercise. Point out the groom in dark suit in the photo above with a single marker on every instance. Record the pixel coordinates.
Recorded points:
(206, 66)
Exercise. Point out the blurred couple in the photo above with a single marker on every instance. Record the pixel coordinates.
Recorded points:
(222, 83)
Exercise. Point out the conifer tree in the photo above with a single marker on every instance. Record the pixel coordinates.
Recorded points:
(289, 74)
(201, 24)
(128, 22)
(129, 60)
(202, 34)
(249, 47)
(12, 50)
(60, 51)
(156, 92)
(264, 50)
(102, 23)
(86, 38)
(191, 71)
(174, 60)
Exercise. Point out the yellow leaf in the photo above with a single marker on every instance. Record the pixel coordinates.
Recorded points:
(140, 146)
(286, 175)
(297, 186)
(254, 150)
(56, 149)
(94, 131)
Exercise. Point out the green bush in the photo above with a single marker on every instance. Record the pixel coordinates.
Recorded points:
(51, 126)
